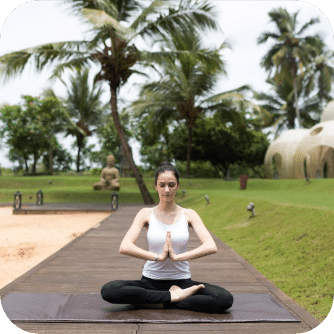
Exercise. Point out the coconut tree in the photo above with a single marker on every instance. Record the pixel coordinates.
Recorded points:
(184, 89)
(116, 27)
(319, 77)
(280, 107)
(292, 50)
(85, 107)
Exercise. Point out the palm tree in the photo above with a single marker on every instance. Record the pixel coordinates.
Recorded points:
(116, 25)
(85, 108)
(291, 51)
(281, 110)
(184, 89)
(319, 76)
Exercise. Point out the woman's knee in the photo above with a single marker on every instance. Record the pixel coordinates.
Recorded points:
(108, 290)
(228, 301)
(223, 299)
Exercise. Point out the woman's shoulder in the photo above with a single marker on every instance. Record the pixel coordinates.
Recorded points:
(190, 216)
(143, 217)
(190, 213)
(144, 212)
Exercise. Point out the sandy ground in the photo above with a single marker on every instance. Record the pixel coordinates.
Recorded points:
(26, 240)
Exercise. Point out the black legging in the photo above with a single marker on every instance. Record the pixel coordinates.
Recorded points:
(211, 299)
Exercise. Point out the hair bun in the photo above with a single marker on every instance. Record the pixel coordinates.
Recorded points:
(165, 163)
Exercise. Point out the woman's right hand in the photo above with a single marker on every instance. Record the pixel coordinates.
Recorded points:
(164, 255)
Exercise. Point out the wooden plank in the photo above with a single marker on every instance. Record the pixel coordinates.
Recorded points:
(77, 328)
(262, 328)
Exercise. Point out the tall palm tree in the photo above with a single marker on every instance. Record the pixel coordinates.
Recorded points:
(291, 51)
(184, 89)
(85, 108)
(116, 25)
(281, 110)
(319, 76)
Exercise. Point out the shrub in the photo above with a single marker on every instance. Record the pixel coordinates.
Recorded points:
(96, 171)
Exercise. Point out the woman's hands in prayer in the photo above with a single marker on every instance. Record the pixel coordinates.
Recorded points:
(164, 255)
(168, 250)
(172, 255)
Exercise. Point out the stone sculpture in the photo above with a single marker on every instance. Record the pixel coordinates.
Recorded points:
(109, 176)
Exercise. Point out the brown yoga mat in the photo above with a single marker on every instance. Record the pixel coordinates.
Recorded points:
(53, 307)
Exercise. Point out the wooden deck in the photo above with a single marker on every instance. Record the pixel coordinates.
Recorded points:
(92, 259)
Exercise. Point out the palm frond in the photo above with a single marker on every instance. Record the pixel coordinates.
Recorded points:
(14, 63)
(73, 64)
(265, 36)
(236, 93)
(307, 25)
(101, 19)
(151, 9)
(196, 14)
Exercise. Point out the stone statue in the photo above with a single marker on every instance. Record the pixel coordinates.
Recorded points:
(109, 176)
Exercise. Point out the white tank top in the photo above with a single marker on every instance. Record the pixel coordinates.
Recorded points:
(156, 236)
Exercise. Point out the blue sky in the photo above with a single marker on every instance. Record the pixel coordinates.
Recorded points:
(38, 22)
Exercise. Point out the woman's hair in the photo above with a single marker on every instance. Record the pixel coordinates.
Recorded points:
(166, 166)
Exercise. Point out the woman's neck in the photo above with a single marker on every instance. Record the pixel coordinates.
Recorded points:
(167, 206)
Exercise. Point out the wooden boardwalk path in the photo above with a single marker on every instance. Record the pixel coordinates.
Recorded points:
(92, 259)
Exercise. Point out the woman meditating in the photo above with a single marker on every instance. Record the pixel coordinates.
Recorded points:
(166, 277)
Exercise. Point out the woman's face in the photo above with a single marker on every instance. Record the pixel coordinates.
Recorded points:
(166, 186)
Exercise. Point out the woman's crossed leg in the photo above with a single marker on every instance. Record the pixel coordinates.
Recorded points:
(210, 299)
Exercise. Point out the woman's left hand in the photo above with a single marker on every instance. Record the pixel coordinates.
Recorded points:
(172, 255)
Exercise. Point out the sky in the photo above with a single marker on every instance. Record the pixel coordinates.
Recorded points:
(30, 23)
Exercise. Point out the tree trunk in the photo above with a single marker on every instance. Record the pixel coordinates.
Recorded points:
(78, 158)
(291, 115)
(139, 179)
(26, 165)
(190, 137)
(33, 171)
(293, 72)
(51, 162)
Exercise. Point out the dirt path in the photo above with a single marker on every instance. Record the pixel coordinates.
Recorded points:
(26, 240)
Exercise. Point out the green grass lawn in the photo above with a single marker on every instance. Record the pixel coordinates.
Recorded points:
(290, 240)
(66, 189)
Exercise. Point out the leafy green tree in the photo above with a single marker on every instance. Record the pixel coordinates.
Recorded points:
(15, 155)
(154, 144)
(116, 26)
(62, 159)
(292, 50)
(30, 129)
(109, 140)
(223, 144)
(184, 90)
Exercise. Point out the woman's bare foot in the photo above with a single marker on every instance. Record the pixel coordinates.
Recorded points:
(178, 294)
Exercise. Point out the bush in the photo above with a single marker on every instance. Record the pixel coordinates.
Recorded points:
(95, 171)
(197, 169)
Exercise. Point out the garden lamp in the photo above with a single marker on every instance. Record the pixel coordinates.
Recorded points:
(114, 201)
(39, 198)
(251, 207)
(17, 200)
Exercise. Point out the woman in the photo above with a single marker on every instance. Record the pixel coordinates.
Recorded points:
(166, 277)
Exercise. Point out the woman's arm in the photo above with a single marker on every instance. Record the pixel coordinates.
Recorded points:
(138, 252)
(208, 244)
(128, 246)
